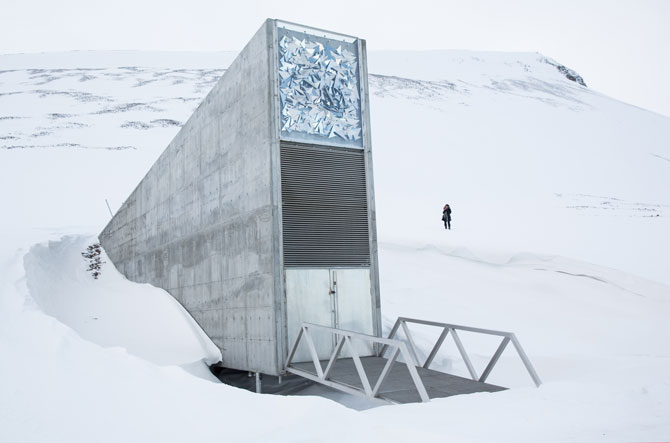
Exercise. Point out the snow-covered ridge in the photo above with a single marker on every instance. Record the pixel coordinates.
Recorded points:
(115, 59)
(34, 83)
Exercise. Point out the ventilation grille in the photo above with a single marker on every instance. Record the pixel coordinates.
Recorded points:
(324, 207)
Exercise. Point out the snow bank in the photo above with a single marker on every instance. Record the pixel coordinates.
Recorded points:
(111, 311)
(598, 347)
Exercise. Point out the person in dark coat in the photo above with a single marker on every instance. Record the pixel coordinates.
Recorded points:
(446, 216)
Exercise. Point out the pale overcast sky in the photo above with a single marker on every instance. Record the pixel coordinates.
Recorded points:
(620, 47)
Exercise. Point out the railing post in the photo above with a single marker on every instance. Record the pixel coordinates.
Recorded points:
(464, 354)
(526, 361)
(387, 369)
(391, 335)
(410, 340)
(418, 383)
(333, 357)
(494, 359)
(294, 348)
(436, 348)
(314, 353)
(359, 367)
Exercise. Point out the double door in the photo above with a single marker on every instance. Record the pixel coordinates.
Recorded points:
(339, 298)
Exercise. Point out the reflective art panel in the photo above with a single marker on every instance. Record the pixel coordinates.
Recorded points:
(318, 87)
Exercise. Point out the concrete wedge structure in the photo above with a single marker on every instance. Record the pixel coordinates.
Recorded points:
(260, 214)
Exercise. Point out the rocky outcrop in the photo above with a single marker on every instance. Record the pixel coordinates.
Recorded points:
(567, 72)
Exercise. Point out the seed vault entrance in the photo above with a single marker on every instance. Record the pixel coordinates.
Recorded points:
(260, 214)
(259, 218)
(326, 242)
(338, 298)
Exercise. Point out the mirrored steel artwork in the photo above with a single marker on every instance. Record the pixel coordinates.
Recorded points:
(318, 86)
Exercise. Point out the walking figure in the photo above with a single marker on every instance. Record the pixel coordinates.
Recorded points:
(446, 216)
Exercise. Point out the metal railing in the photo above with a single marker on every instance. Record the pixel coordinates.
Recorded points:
(344, 338)
(451, 329)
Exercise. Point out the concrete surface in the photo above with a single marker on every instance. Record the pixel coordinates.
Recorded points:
(200, 223)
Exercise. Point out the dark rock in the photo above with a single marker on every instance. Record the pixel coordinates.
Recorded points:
(567, 72)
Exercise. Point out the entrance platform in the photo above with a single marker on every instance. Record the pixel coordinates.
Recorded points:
(398, 386)
(395, 372)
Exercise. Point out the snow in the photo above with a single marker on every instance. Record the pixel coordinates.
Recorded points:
(62, 288)
(560, 234)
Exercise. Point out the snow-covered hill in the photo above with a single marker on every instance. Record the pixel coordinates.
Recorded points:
(561, 234)
(529, 160)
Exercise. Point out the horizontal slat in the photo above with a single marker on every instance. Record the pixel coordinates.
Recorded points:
(324, 206)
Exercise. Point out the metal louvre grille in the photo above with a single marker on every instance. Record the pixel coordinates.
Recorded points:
(324, 206)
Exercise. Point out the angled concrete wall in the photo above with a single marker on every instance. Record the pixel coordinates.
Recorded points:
(200, 224)
(205, 223)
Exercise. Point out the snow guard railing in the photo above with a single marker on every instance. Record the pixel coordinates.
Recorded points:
(395, 347)
(449, 328)
(344, 338)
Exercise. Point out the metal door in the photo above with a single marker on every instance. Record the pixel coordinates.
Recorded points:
(338, 298)
(308, 299)
(354, 305)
